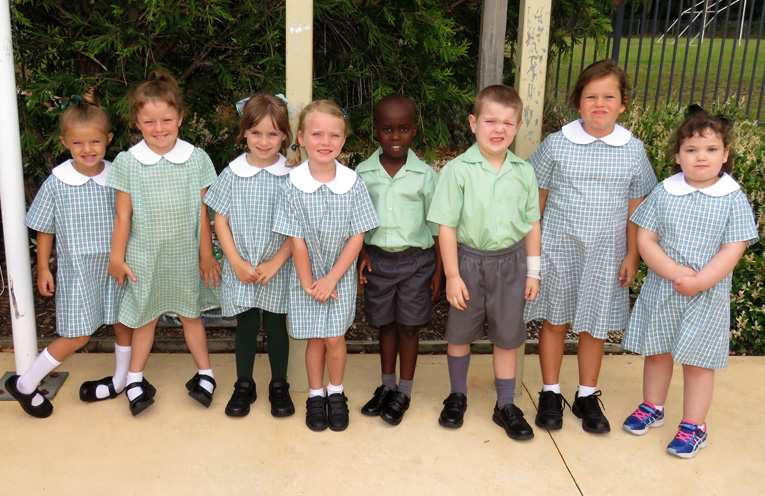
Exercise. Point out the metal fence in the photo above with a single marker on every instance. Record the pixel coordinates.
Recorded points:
(679, 52)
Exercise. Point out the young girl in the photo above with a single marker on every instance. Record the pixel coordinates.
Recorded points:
(162, 240)
(592, 175)
(75, 206)
(245, 197)
(692, 230)
(326, 211)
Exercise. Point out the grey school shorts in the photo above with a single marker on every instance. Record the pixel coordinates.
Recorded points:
(398, 287)
(496, 282)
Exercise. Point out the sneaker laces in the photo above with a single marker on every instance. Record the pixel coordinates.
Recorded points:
(642, 412)
(685, 431)
(554, 397)
(589, 404)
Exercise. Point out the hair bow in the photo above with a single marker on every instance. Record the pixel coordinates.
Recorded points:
(74, 99)
(281, 97)
(692, 109)
(240, 105)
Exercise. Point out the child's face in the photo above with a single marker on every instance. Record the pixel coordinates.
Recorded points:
(600, 105)
(701, 158)
(495, 129)
(394, 128)
(323, 137)
(87, 145)
(159, 123)
(264, 141)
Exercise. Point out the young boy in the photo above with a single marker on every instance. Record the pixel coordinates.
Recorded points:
(487, 201)
(399, 263)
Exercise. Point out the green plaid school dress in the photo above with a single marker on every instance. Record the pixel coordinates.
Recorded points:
(325, 219)
(584, 228)
(691, 229)
(250, 203)
(163, 248)
(81, 216)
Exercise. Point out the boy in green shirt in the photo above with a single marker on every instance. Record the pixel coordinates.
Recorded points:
(487, 206)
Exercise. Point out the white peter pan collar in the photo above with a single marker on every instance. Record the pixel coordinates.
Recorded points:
(67, 174)
(676, 186)
(180, 153)
(344, 179)
(240, 167)
(574, 132)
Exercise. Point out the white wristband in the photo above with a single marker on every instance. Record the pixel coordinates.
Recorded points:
(534, 267)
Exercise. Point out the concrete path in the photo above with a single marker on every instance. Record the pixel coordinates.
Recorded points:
(179, 447)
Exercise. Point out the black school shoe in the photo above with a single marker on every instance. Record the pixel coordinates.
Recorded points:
(550, 410)
(454, 411)
(43, 410)
(316, 413)
(394, 411)
(244, 395)
(143, 400)
(510, 418)
(199, 393)
(588, 409)
(88, 390)
(337, 411)
(383, 395)
(279, 396)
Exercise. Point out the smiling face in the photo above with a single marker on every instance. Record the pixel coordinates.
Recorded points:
(701, 157)
(264, 141)
(600, 105)
(87, 145)
(323, 137)
(495, 128)
(394, 128)
(159, 123)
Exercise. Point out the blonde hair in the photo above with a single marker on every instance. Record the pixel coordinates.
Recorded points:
(159, 86)
(501, 94)
(325, 107)
(263, 106)
(82, 110)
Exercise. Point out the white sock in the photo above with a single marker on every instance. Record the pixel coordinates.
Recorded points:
(131, 378)
(659, 408)
(316, 392)
(41, 367)
(207, 385)
(121, 364)
(585, 391)
(332, 389)
(555, 388)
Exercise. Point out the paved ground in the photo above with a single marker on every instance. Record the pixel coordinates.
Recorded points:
(178, 447)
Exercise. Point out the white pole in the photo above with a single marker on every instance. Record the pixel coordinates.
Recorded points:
(15, 234)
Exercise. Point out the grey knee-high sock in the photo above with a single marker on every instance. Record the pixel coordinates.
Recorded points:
(505, 391)
(458, 370)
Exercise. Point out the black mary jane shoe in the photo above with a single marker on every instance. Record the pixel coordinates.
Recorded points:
(454, 411)
(43, 410)
(244, 395)
(88, 390)
(382, 396)
(510, 418)
(394, 411)
(337, 412)
(199, 393)
(279, 397)
(143, 400)
(316, 413)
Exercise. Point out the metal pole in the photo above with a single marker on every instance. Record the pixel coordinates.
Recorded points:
(15, 233)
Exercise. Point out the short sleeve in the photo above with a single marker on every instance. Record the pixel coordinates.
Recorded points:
(41, 216)
(741, 225)
(645, 215)
(119, 174)
(218, 197)
(532, 202)
(448, 198)
(430, 183)
(644, 179)
(542, 162)
(285, 220)
(364, 217)
(207, 172)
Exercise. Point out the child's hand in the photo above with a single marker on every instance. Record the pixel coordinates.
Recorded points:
(322, 289)
(436, 284)
(45, 282)
(244, 271)
(686, 285)
(209, 269)
(532, 288)
(266, 271)
(364, 262)
(457, 293)
(119, 271)
(629, 269)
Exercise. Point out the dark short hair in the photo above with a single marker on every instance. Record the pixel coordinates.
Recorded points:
(599, 70)
(699, 122)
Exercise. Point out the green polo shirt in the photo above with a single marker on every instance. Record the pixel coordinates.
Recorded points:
(491, 210)
(401, 202)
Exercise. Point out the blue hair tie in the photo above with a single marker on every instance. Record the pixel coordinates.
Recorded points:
(281, 97)
(74, 99)
(345, 114)
(240, 105)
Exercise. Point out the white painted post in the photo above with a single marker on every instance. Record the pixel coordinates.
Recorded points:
(15, 234)
(299, 62)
